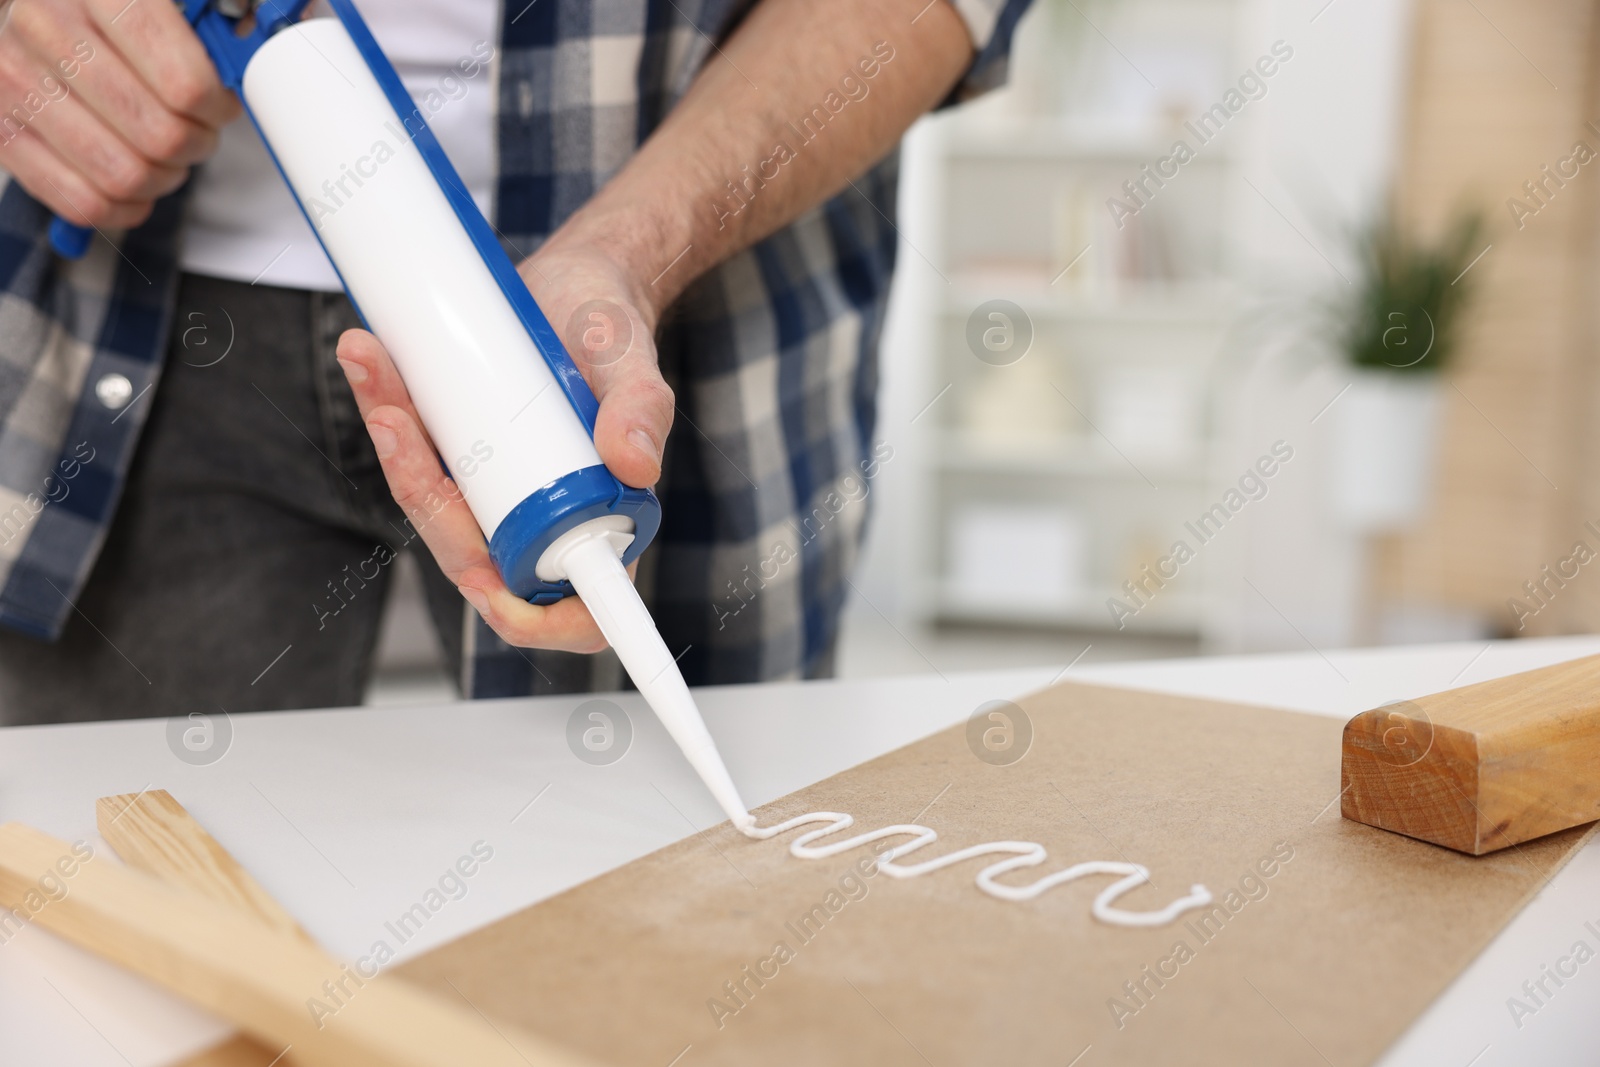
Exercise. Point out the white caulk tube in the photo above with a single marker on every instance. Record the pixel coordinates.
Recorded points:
(507, 409)
(483, 388)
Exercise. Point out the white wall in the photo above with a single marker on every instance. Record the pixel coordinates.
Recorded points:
(1321, 157)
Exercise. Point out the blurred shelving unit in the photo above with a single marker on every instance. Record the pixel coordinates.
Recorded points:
(1071, 427)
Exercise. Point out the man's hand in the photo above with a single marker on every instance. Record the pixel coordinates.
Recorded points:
(105, 104)
(607, 321)
(608, 327)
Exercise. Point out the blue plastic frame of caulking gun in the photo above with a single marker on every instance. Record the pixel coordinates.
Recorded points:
(531, 527)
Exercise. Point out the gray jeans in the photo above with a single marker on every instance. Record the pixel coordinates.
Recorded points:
(241, 571)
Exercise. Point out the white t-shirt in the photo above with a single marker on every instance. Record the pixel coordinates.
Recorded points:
(243, 224)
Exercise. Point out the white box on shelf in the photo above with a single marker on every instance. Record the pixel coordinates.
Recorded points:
(1149, 414)
(1017, 554)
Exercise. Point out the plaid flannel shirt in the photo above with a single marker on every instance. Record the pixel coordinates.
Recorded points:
(773, 354)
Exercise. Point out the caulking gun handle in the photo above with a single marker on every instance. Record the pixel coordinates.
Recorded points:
(230, 53)
(68, 240)
(72, 242)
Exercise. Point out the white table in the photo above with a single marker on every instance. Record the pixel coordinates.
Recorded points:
(348, 817)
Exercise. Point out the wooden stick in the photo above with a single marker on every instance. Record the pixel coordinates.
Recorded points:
(241, 1050)
(154, 833)
(1483, 767)
(259, 979)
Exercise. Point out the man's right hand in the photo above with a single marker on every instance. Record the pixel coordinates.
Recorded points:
(105, 104)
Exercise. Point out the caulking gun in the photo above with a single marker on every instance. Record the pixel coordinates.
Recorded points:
(483, 366)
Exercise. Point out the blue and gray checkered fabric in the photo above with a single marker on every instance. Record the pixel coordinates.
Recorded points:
(772, 354)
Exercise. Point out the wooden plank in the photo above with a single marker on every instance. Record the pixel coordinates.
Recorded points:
(267, 983)
(1482, 767)
(156, 834)
(240, 1051)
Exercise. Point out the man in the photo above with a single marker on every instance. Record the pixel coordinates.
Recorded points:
(699, 194)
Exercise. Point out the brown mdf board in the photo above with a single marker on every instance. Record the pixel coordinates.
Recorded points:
(1337, 936)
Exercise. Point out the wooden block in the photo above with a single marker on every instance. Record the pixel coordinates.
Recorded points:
(259, 979)
(156, 834)
(1482, 767)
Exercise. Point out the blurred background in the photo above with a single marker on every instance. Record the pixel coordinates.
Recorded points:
(1323, 376)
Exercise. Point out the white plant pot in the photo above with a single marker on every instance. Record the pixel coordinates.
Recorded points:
(1385, 434)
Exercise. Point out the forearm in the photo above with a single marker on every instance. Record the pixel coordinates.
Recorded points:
(803, 97)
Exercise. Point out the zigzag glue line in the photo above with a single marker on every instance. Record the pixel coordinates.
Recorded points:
(1024, 854)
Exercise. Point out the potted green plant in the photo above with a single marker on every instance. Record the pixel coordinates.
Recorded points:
(1398, 333)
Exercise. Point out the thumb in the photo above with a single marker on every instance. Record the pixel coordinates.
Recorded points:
(636, 409)
(616, 353)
